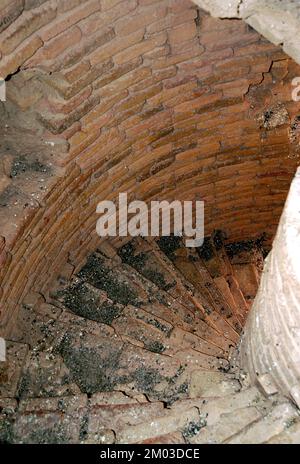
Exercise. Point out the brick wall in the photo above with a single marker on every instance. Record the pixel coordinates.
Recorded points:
(151, 97)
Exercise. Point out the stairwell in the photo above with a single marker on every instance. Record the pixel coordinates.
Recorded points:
(136, 348)
(141, 340)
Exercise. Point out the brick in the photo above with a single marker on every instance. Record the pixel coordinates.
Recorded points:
(77, 71)
(68, 20)
(200, 102)
(125, 81)
(140, 21)
(139, 49)
(182, 33)
(24, 26)
(156, 53)
(9, 12)
(60, 106)
(139, 98)
(107, 4)
(68, 91)
(11, 63)
(215, 41)
(57, 124)
(109, 50)
(172, 21)
(169, 93)
(179, 6)
(166, 62)
(102, 108)
(115, 73)
(29, 4)
(60, 43)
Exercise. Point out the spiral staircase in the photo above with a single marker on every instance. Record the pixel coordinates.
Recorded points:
(140, 347)
(147, 341)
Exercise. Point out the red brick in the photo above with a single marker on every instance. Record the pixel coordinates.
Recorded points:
(11, 63)
(182, 33)
(9, 12)
(69, 19)
(145, 17)
(24, 26)
(139, 49)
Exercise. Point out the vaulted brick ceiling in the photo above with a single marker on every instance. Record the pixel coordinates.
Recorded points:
(156, 98)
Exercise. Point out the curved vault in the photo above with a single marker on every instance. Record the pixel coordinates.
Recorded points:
(161, 100)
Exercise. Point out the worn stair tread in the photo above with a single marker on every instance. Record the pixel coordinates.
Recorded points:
(212, 408)
(188, 265)
(274, 422)
(158, 426)
(212, 384)
(228, 425)
(156, 264)
(92, 303)
(291, 435)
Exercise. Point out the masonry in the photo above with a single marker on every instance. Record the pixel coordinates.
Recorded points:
(158, 99)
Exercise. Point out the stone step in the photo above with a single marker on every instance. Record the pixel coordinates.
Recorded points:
(248, 279)
(212, 384)
(36, 327)
(156, 263)
(273, 423)
(215, 260)
(291, 434)
(240, 303)
(212, 408)
(180, 339)
(88, 302)
(110, 415)
(247, 259)
(228, 425)
(50, 420)
(160, 337)
(173, 310)
(102, 274)
(189, 265)
(150, 331)
(156, 427)
(224, 288)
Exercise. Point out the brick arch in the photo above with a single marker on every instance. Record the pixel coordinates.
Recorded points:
(154, 98)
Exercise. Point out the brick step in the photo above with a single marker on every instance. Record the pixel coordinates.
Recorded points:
(276, 421)
(291, 434)
(168, 424)
(89, 357)
(117, 417)
(229, 424)
(153, 264)
(111, 414)
(138, 324)
(239, 265)
(150, 297)
(190, 266)
(214, 258)
(246, 259)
